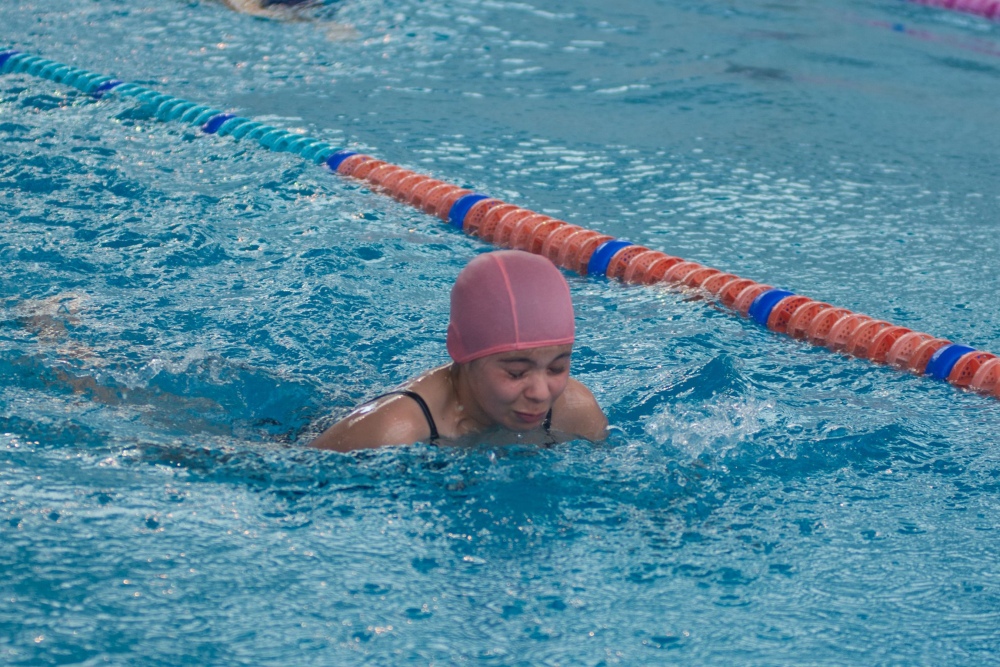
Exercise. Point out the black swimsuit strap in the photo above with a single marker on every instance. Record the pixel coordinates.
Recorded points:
(547, 424)
(423, 406)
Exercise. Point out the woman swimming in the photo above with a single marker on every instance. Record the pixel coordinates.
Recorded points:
(510, 339)
(295, 10)
(259, 6)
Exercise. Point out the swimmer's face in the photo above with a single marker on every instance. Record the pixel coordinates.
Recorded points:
(517, 389)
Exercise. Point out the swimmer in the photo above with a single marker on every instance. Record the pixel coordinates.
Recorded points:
(293, 10)
(62, 363)
(50, 320)
(510, 339)
(269, 8)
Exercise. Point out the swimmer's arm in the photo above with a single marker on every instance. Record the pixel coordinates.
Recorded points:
(578, 413)
(396, 420)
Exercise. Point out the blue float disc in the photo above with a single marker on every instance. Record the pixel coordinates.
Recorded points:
(760, 309)
(599, 261)
(945, 359)
(461, 208)
(333, 162)
(215, 122)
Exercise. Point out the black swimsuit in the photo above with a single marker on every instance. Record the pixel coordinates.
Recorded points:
(430, 418)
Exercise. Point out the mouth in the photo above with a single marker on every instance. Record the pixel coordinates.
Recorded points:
(529, 417)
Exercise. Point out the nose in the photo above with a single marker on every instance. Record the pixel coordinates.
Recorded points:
(538, 389)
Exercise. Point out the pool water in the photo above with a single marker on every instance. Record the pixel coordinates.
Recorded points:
(182, 313)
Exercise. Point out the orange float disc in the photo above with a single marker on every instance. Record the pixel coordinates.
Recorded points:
(878, 350)
(488, 227)
(381, 172)
(541, 233)
(636, 270)
(860, 341)
(698, 276)
(442, 205)
(732, 289)
(782, 312)
(441, 198)
(923, 353)
(391, 182)
(577, 249)
(430, 199)
(798, 323)
(843, 328)
(902, 350)
(819, 329)
(520, 237)
(965, 368)
(745, 298)
(659, 268)
(713, 284)
(679, 270)
(474, 218)
(364, 168)
(987, 378)
(420, 191)
(621, 259)
(505, 228)
(553, 244)
(404, 191)
(348, 166)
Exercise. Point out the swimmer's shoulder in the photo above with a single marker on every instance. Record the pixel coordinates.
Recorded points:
(394, 419)
(577, 412)
(391, 419)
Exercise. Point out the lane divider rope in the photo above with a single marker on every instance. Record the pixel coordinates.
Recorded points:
(986, 8)
(584, 251)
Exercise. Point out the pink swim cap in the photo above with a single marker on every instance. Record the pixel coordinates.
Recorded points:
(508, 300)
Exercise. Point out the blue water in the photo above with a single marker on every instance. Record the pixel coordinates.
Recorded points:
(182, 313)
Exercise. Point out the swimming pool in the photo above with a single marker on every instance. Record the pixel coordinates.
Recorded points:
(182, 312)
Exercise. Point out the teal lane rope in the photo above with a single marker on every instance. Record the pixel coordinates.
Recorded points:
(166, 107)
(572, 247)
